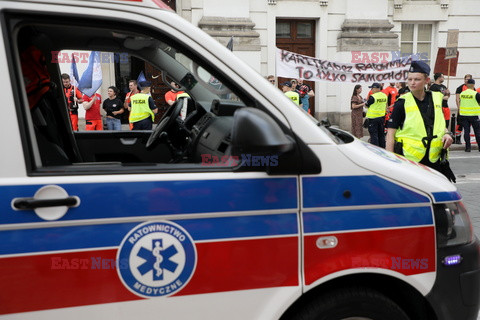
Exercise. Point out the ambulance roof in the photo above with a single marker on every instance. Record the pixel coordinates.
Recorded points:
(157, 4)
(145, 3)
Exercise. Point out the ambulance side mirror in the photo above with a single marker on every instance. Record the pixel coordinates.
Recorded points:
(256, 133)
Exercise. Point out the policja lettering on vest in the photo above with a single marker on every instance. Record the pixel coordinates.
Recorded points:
(469, 110)
(378, 108)
(468, 104)
(140, 108)
(375, 122)
(142, 113)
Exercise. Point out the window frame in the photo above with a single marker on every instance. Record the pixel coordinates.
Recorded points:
(14, 20)
(414, 42)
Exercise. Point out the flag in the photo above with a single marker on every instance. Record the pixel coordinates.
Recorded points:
(92, 77)
(73, 73)
(230, 44)
(141, 78)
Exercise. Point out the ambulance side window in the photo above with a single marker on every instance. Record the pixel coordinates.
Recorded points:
(192, 134)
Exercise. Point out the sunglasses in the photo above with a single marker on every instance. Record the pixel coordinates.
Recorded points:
(272, 81)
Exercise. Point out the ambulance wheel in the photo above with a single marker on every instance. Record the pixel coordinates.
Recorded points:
(352, 304)
(166, 121)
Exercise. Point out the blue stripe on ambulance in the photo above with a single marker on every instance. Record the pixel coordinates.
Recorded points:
(135, 199)
(111, 235)
(321, 192)
(446, 196)
(326, 221)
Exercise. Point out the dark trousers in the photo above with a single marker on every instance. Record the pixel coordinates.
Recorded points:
(145, 124)
(376, 129)
(466, 122)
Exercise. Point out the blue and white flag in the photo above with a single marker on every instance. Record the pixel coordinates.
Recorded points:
(230, 44)
(92, 77)
(73, 73)
(141, 77)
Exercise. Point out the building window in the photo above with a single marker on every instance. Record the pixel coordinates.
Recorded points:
(304, 30)
(283, 30)
(417, 39)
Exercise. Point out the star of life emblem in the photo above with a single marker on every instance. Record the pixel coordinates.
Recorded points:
(161, 259)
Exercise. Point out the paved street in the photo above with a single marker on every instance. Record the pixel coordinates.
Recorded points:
(466, 167)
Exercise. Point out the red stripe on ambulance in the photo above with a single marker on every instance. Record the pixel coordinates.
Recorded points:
(60, 280)
(408, 251)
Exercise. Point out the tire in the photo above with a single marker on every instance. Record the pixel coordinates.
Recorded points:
(352, 304)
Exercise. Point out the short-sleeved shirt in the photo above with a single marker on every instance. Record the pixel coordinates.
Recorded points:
(440, 88)
(94, 112)
(460, 89)
(464, 87)
(111, 105)
(398, 114)
(128, 95)
(171, 96)
(391, 93)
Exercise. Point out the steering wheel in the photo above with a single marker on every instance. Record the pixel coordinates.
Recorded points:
(166, 121)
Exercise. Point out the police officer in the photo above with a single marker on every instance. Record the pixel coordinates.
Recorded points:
(377, 107)
(290, 92)
(142, 108)
(417, 128)
(468, 113)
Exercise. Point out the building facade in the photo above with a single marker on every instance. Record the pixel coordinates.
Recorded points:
(342, 31)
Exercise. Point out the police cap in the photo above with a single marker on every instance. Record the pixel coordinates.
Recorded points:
(145, 84)
(471, 81)
(376, 85)
(420, 66)
(287, 84)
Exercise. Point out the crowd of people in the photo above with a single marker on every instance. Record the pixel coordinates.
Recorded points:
(409, 118)
(138, 103)
(297, 91)
(379, 108)
(416, 116)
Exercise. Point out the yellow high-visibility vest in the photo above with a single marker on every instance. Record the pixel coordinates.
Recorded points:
(140, 109)
(294, 96)
(468, 103)
(413, 130)
(379, 107)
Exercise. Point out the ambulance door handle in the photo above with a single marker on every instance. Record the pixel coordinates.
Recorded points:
(32, 203)
(129, 141)
(50, 202)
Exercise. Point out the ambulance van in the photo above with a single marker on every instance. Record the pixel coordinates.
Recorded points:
(237, 205)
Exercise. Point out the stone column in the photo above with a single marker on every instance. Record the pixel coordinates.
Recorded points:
(366, 29)
(223, 22)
